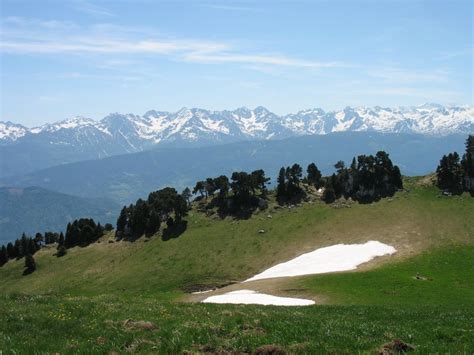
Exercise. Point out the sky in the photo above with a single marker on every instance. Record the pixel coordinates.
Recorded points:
(61, 59)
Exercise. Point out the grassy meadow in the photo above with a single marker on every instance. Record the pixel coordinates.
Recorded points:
(81, 302)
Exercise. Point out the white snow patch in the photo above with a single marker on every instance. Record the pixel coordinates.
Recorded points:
(253, 297)
(201, 292)
(339, 257)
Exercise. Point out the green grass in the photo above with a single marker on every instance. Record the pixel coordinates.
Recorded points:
(81, 325)
(216, 251)
(446, 279)
(77, 303)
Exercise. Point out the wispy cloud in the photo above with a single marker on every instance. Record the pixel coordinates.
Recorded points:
(397, 75)
(421, 93)
(455, 54)
(22, 35)
(231, 7)
(93, 9)
(278, 60)
(104, 46)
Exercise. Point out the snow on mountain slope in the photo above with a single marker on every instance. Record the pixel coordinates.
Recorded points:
(130, 133)
(10, 132)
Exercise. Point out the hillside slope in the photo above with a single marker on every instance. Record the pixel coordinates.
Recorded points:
(215, 252)
(121, 297)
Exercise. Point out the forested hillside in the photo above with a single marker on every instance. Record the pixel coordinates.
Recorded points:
(33, 209)
(128, 177)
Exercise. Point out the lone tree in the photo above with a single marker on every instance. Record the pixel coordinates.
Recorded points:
(467, 164)
(30, 264)
(314, 176)
(450, 174)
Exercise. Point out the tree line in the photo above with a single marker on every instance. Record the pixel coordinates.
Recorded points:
(145, 217)
(238, 196)
(456, 175)
(81, 232)
(368, 178)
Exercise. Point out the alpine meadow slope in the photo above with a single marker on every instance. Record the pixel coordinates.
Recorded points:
(109, 294)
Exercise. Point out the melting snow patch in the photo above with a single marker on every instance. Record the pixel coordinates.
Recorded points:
(253, 297)
(339, 257)
(201, 292)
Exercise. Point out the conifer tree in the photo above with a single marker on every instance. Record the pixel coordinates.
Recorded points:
(187, 195)
(450, 174)
(61, 239)
(11, 251)
(329, 195)
(467, 164)
(30, 264)
(122, 220)
(281, 185)
(3, 256)
(314, 175)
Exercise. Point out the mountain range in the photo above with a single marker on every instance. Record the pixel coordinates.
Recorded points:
(23, 150)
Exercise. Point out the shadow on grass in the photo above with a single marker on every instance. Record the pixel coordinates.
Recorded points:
(174, 230)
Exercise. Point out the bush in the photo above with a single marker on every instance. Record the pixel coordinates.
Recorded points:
(61, 251)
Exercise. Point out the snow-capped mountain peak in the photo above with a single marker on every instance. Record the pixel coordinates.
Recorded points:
(71, 123)
(10, 132)
(130, 132)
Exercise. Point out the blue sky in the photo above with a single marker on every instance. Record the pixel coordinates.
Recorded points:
(65, 58)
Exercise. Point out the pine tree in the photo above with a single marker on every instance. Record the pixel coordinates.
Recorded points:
(3, 256)
(467, 164)
(329, 195)
(200, 187)
(61, 239)
(314, 175)
(39, 238)
(11, 251)
(397, 178)
(296, 173)
(30, 264)
(353, 164)
(122, 220)
(450, 174)
(281, 187)
(187, 195)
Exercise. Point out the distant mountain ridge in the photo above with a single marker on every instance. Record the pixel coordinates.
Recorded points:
(23, 150)
(124, 178)
(34, 209)
(135, 132)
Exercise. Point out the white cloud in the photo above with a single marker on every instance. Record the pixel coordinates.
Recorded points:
(222, 57)
(231, 7)
(40, 37)
(92, 9)
(408, 76)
